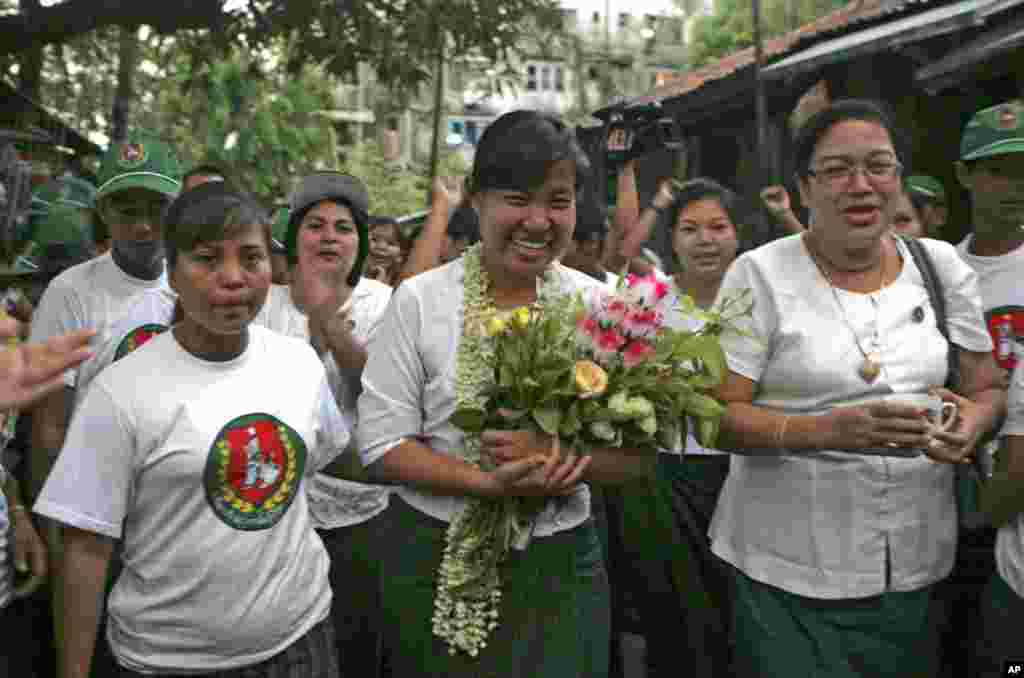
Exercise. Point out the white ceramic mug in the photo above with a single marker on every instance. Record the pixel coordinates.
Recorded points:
(942, 415)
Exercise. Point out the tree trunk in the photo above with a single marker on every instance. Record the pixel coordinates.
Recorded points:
(30, 65)
(127, 61)
(435, 144)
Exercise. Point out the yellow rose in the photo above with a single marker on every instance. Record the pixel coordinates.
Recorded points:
(521, 318)
(495, 326)
(590, 379)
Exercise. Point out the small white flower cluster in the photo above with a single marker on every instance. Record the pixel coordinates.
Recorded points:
(468, 593)
(469, 588)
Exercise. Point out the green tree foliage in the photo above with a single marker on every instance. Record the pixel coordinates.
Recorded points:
(394, 190)
(266, 128)
(730, 27)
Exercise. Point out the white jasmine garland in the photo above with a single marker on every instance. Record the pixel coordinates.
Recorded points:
(468, 594)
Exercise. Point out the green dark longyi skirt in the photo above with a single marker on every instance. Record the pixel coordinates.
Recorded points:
(778, 633)
(555, 619)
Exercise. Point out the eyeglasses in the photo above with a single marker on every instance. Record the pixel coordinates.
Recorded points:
(135, 212)
(836, 174)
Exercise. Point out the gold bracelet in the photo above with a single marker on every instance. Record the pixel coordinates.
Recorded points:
(781, 432)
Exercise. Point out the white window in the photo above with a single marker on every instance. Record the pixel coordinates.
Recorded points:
(545, 78)
(559, 79)
(531, 78)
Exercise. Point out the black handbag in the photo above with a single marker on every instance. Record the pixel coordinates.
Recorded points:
(969, 479)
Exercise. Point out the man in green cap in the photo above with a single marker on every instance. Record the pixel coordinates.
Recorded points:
(929, 198)
(991, 168)
(137, 180)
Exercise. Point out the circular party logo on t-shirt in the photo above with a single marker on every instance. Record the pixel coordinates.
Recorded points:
(136, 338)
(1006, 324)
(253, 471)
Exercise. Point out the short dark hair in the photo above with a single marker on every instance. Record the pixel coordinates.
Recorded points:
(516, 151)
(820, 123)
(208, 213)
(703, 188)
(464, 224)
(404, 241)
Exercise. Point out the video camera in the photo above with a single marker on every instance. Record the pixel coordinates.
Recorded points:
(631, 132)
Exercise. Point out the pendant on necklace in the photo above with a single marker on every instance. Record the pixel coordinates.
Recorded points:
(871, 367)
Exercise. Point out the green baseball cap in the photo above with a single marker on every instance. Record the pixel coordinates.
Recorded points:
(141, 161)
(994, 131)
(63, 239)
(926, 187)
(65, 191)
(64, 223)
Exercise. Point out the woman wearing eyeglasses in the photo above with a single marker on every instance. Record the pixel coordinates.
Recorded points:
(838, 514)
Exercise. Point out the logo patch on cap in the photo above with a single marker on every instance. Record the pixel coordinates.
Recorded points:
(132, 155)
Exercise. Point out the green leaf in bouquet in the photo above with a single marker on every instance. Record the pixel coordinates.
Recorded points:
(707, 431)
(470, 420)
(703, 406)
(571, 424)
(509, 414)
(548, 418)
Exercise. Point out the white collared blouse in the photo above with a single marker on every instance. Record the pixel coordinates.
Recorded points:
(833, 524)
(409, 386)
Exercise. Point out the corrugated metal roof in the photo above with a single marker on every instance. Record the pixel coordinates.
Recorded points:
(929, 23)
(854, 13)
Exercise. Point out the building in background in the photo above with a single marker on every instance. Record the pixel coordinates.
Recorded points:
(602, 50)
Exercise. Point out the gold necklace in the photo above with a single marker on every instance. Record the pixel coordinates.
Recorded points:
(871, 367)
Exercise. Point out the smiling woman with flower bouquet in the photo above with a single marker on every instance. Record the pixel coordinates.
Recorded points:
(543, 610)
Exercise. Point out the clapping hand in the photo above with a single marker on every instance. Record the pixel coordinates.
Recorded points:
(30, 371)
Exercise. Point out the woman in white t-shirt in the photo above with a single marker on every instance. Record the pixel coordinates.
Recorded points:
(661, 551)
(326, 242)
(835, 523)
(194, 450)
(553, 618)
(997, 638)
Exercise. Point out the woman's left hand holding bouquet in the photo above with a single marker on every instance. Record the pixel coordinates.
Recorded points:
(557, 472)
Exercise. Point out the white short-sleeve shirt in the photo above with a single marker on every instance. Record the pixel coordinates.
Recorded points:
(92, 295)
(409, 385)
(335, 502)
(199, 466)
(825, 524)
(150, 314)
(1010, 538)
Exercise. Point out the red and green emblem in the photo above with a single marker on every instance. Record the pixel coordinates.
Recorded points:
(253, 471)
(136, 338)
(132, 155)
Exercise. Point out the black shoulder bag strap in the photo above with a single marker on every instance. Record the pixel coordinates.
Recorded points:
(968, 480)
(933, 285)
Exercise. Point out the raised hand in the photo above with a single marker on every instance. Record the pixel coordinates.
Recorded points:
(30, 371)
(776, 199)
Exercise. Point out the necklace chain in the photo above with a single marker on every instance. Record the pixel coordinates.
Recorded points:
(872, 364)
